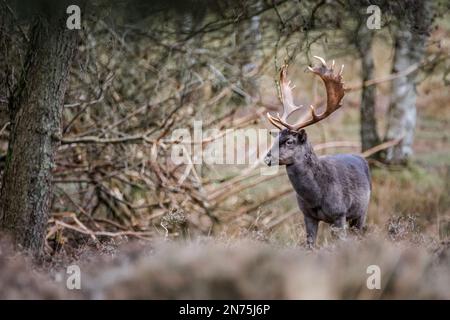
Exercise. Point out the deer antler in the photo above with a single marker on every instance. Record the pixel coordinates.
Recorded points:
(335, 92)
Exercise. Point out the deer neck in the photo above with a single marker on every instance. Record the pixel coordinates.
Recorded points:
(304, 175)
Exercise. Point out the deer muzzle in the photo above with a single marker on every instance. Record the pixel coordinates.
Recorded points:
(268, 159)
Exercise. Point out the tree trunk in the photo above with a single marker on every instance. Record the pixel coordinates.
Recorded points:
(248, 42)
(368, 131)
(402, 111)
(35, 114)
(6, 67)
(5, 44)
(409, 49)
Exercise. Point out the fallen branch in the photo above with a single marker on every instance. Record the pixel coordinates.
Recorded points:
(275, 197)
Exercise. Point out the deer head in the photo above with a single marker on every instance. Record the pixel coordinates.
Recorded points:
(292, 139)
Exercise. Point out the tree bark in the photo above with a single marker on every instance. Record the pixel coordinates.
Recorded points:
(402, 111)
(409, 49)
(368, 131)
(6, 65)
(35, 113)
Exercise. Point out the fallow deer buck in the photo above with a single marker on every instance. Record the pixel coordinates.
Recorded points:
(334, 189)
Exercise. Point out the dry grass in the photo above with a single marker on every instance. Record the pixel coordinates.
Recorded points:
(247, 269)
(412, 192)
(252, 270)
(19, 279)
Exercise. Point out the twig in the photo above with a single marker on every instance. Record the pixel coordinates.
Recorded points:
(93, 139)
(275, 197)
(337, 144)
(382, 146)
(411, 69)
(99, 98)
(390, 77)
(4, 128)
(237, 189)
(23, 33)
(282, 218)
(140, 235)
(138, 138)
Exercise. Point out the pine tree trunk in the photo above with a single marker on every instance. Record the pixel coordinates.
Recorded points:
(35, 114)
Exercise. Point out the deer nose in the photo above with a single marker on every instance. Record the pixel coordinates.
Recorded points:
(268, 159)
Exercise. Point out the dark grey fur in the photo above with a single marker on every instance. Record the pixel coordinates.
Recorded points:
(334, 189)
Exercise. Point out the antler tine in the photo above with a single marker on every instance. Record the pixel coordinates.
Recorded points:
(342, 70)
(287, 101)
(286, 95)
(324, 64)
(274, 121)
(335, 92)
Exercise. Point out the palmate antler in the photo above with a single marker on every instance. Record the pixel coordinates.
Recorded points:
(335, 92)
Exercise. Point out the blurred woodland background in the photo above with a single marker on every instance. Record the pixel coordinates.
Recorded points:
(86, 122)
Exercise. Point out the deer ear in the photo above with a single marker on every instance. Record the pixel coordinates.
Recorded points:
(302, 136)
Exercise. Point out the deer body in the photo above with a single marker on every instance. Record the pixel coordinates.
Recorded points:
(334, 189)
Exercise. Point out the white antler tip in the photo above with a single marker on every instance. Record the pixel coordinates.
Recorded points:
(322, 60)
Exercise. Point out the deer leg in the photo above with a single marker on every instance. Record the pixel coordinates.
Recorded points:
(338, 228)
(311, 225)
(357, 224)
